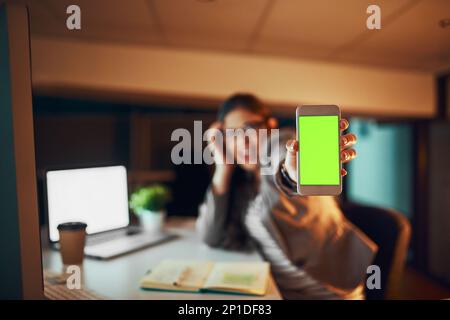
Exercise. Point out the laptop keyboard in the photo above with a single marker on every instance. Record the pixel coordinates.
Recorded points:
(124, 244)
(100, 238)
(112, 235)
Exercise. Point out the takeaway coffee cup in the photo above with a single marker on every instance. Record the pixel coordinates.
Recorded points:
(72, 236)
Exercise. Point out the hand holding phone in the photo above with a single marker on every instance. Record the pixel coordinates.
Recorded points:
(315, 159)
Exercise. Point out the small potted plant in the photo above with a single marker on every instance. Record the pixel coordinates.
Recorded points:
(149, 203)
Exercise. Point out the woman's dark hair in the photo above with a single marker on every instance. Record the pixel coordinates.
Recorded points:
(244, 101)
(243, 184)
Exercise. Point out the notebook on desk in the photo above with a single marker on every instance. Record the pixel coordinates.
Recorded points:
(206, 276)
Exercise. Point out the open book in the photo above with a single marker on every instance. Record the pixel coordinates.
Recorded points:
(198, 276)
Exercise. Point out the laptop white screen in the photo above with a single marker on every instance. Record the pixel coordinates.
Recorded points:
(96, 196)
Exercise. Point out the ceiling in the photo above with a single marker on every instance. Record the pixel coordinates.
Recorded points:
(410, 37)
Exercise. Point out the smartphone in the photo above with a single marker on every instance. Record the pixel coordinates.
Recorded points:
(318, 160)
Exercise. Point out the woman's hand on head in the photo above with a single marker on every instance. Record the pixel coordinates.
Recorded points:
(347, 153)
(222, 171)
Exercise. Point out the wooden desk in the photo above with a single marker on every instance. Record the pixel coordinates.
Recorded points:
(119, 278)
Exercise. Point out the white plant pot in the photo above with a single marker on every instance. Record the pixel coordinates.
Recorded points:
(152, 220)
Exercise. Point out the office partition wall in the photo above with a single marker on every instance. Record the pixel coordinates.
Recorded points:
(20, 252)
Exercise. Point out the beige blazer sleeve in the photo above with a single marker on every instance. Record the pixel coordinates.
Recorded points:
(322, 241)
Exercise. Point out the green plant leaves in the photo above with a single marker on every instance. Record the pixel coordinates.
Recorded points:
(153, 198)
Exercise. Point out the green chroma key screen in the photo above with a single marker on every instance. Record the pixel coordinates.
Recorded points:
(319, 150)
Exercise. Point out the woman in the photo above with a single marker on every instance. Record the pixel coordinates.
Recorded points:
(314, 252)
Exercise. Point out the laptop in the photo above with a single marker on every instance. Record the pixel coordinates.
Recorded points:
(99, 197)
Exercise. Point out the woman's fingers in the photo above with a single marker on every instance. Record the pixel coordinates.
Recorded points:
(292, 146)
(348, 155)
(216, 125)
(291, 158)
(343, 124)
(212, 132)
(347, 140)
(291, 154)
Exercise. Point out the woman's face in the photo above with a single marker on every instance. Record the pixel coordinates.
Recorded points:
(245, 147)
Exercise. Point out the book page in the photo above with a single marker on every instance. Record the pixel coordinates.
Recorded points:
(242, 277)
(178, 275)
